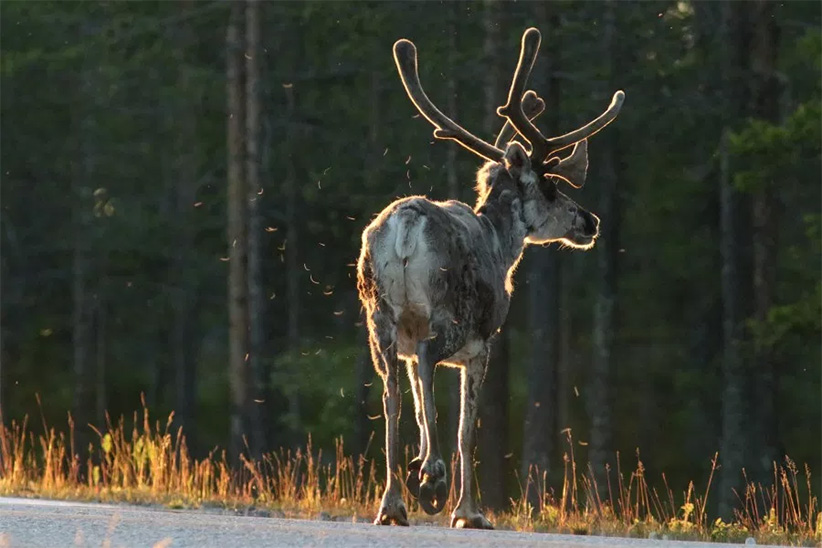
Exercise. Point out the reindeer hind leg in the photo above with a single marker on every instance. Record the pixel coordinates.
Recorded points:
(412, 480)
(383, 342)
(433, 491)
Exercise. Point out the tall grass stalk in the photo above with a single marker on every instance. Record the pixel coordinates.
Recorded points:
(150, 463)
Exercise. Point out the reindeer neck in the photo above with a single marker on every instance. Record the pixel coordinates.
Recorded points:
(502, 207)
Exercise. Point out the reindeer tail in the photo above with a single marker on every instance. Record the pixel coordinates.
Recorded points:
(409, 226)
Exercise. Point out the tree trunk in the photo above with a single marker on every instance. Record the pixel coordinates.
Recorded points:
(101, 317)
(256, 294)
(364, 373)
(599, 397)
(567, 360)
(292, 267)
(766, 91)
(733, 445)
(540, 427)
(81, 318)
(237, 280)
(492, 436)
(82, 266)
(183, 278)
(364, 369)
(451, 175)
(493, 441)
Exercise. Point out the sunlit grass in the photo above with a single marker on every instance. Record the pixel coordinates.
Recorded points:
(150, 464)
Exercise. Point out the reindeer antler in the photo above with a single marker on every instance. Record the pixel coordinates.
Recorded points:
(532, 106)
(591, 127)
(513, 109)
(519, 110)
(543, 147)
(405, 56)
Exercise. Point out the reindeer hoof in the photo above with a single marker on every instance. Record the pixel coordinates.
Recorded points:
(392, 514)
(412, 480)
(433, 486)
(477, 521)
(433, 495)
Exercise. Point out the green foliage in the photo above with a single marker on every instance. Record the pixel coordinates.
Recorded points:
(779, 154)
(728, 532)
(684, 524)
(323, 382)
(790, 324)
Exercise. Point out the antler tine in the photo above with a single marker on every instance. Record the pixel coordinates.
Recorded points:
(591, 127)
(405, 56)
(532, 106)
(513, 109)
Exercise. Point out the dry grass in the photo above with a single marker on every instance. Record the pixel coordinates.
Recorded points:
(151, 465)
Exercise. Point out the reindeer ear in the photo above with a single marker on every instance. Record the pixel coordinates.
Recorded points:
(573, 168)
(516, 159)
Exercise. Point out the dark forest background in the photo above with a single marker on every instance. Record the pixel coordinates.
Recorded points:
(184, 184)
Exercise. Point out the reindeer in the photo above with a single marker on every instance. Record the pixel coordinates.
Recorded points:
(435, 277)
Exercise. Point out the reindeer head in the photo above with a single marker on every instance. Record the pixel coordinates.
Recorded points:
(549, 215)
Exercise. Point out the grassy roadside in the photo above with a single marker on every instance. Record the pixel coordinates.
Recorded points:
(151, 465)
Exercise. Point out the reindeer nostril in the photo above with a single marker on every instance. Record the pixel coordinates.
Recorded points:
(590, 223)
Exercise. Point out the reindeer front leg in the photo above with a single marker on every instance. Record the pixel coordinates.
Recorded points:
(467, 514)
(384, 353)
